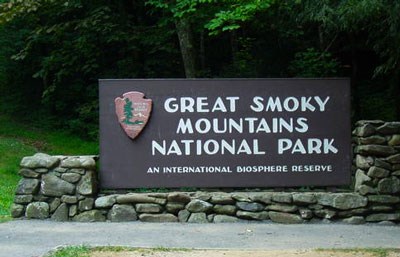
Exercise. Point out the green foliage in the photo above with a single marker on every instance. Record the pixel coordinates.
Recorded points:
(71, 251)
(234, 13)
(53, 52)
(18, 140)
(313, 63)
(376, 252)
(11, 152)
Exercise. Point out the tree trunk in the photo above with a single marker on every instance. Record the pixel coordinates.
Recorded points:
(187, 46)
(234, 45)
(395, 91)
(354, 78)
(202, 51)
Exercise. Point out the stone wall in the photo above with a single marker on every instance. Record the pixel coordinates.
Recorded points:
(63, 188)
(57, 187)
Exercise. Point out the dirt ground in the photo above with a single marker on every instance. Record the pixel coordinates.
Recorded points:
(244, 253)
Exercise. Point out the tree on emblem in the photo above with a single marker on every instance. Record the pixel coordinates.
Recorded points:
(128, 109)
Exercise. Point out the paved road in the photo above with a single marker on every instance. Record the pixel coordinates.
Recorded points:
(34, 238)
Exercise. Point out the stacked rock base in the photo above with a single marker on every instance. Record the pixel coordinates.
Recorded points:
(64, 188)
(56, 187)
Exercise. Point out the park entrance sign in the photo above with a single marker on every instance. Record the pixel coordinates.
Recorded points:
(224, 133)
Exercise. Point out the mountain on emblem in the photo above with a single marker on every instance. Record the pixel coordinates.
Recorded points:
(133, 112)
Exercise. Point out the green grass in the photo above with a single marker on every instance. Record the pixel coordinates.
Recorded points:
(376, 252)
(18, 140)
(71, 251)
(84, 251)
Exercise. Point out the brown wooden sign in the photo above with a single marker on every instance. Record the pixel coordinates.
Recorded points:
(224, 133)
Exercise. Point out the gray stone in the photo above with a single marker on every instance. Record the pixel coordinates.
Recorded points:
(204, 196)
(23, 199)
(225, 209)
(222, 198)
(199, 217)
(167, 217)
(77, 171)
(122, 212)
(396, 173)
(383, 217)
(263, 215)
(349, 201)
(69, 199)
(383, 199)
(376, 172)
(42, 170)
(325, 213)
(389, 185)
(305, 213)
(60, 170)
(285, 218)
(382, 164)
(183, 215)
(394, 159)
(61, 214)
(90, 216)
(361, 179)
(365, 190)
(342, 201)
(41, 198)
(87, 185)
(86, 204)
(27, 186)
(225, 219)
(174, 207)
(252, 207)
(282, 197)
(17, 210)
(241, 197)
(363, 162)
(197, 205)
(304, 198)
(27, 173)
(353, 212)
(315, 206)
(380, 208)
(73, 210)
(264, 197)
(37, 210)
(394, 140)
(54, 204)
(386, 223)
(282, 208)
(389, 128)
(364, 130)
(139, 198)
(84, 162)
(105, 201)
(71, 177)
(54, 186)
(158, 195)
(39, 160)
(210, 217)
(355, 220)
(375, 150)
(372, 122)
(148, 208)
(372, 140)
(178, 197)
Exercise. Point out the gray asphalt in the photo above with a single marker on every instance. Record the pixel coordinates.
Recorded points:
(24, 238)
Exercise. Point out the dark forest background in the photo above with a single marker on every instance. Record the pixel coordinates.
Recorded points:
(53, 52)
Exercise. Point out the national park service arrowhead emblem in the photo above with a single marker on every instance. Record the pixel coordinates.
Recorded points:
(133, 112)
